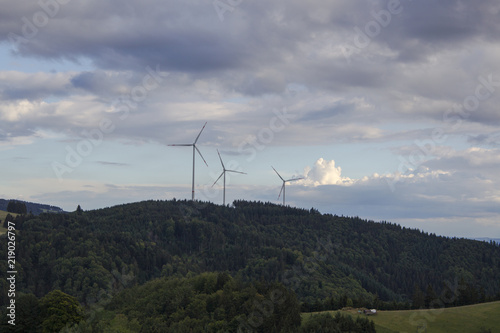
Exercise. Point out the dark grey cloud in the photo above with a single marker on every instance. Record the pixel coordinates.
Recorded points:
(257, 51)
(424, 28)
(188, 35)
(181, 36)
(489, 139)
(108, 85)
(87, 80)
(328, 113)
(252, 40)
(452, 20)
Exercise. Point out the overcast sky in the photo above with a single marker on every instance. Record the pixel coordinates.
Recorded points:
(388, 109)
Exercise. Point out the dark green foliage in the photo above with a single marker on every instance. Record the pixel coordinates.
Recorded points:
(51, 313)
(418, 299)
(321, 323)
(28, 315)
(16, 207)
(430, 296)
(58, 310)
(210, 302)
(326, 323)
(328, 261)
(8, 218)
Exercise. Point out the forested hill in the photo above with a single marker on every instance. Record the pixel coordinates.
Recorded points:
(31, 207)
(326, 260)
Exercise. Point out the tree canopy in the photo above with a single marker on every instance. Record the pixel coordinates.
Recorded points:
(327, 261)
(17, 207)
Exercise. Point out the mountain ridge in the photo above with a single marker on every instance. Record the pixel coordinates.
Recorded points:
(323, 258)
(34, 208)
(487, 239)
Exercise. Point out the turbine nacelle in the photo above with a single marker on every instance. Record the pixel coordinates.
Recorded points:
(284, 183)
(194, 149)
(224, 170)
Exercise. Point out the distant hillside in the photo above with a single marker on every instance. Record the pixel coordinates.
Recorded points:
(34, 208)
(328, 261)
(487, 239)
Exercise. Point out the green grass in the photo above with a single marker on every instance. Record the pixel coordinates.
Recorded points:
(466, 319)
(3, 215)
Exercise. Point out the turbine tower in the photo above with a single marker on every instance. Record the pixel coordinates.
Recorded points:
(284, 182)
(224, 170)
(194, 148)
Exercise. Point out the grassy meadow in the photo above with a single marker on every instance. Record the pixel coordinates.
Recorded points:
(466, 319)
(3, 215)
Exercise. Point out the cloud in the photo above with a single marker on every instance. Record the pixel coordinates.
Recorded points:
(117, 164)
(461, 186)
(258, 51)
(15, 85)
(15, 111)
(324, 172)
(266, 57)
(488, 139)
(442, 195)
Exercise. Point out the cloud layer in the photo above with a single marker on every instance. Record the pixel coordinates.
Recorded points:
(419, 80)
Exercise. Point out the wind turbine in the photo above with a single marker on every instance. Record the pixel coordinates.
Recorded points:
(224, 170)
(194, 148)
(284, 182)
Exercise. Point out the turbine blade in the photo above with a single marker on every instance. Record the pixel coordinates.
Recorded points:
(218, 179)
(200, 154)
(291, 180)
(220, 158)
(200, 133)
(182, 144)
(277, 173)
(243, 173)
(282, 186)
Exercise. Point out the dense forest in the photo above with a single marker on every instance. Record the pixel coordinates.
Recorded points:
(102, 258)
(27, 207)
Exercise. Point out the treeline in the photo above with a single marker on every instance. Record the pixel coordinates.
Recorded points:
(328, 261)
(16, 207)
(23, 207)
(209, 302)
(454, 293)
(51, 313)
(326, 323)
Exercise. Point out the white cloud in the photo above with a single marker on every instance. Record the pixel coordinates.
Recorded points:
(324, 172)
(14, 111)
(480, 156)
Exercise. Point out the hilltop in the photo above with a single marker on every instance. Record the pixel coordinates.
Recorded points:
(34, 208)
(111, 258)
(327, 261)
(488, 239)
